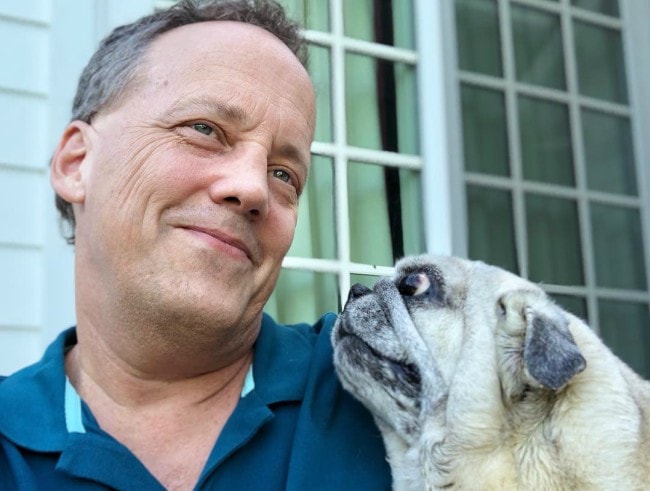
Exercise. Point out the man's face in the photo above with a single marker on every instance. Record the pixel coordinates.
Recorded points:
(192, 180)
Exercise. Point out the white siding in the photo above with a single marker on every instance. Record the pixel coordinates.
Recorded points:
(24, 123)
(20, 289)
(38, 11)
(24, 48)
(21, 202)
(24, 55)
(44, 45)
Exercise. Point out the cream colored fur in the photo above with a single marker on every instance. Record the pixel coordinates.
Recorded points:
(478, 381)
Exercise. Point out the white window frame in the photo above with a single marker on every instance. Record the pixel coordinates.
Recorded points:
(434, 138)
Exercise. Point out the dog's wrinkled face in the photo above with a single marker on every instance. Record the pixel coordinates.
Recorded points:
(444, 329)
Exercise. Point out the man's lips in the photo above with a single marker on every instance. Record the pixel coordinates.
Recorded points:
(223, 238)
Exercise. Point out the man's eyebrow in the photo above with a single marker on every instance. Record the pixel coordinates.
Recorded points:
(224, 110)
(237, 115)
(292, 153)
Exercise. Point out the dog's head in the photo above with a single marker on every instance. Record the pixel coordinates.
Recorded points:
(443, 331)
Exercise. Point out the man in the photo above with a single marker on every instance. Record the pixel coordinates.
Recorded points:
(180, 174)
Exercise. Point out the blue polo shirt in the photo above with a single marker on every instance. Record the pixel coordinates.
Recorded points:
(294, 427)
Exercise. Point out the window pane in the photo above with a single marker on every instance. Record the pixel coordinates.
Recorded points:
(625, 328)
(313, 14)
(407, 110)
(545, 141)
(607, 7)
(554, 254)
(385, 213)
(403, 24)
(477, 27)
(314, 235)
(382, 21)
(485, 138)
(303, 296)
(381, 107)
(618, 247)
(320, 72)
(601, 67)
(537, 37)
(576, 305)
(609, 154)
(410, 183)
(491, 229)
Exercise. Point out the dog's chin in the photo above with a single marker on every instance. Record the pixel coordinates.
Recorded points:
(390, 388)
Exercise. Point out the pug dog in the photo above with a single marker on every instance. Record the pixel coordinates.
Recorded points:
(477, 380)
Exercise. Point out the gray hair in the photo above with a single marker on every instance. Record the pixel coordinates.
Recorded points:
(114, 66)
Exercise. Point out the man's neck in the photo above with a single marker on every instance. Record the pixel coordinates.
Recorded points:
(93, 373)
(169, 423)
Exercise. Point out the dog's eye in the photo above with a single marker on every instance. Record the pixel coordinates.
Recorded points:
(414, 284)
(502, 307)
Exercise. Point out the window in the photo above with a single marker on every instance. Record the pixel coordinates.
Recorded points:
(552, 165)
(362, 208)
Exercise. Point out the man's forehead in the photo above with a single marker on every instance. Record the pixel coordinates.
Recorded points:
(206, 48)
(221, 34)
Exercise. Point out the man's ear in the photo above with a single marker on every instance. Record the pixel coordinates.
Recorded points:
(67, 166)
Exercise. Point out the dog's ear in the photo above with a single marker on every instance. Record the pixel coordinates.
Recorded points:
(551, 355)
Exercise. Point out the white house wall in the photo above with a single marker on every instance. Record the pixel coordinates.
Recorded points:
(44, 45)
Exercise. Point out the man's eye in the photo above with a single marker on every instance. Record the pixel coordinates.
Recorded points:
(281, 174)
(203, 128)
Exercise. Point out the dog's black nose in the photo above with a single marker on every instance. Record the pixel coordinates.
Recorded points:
(358, 290)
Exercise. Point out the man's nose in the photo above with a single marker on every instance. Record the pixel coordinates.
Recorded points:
(241, 182)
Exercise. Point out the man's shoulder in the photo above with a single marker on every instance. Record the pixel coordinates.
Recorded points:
(36, 393)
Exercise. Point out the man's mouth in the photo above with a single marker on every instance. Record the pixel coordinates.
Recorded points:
(220, 240)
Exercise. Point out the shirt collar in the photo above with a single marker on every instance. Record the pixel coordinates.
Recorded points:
(39, 407)
(32, 400)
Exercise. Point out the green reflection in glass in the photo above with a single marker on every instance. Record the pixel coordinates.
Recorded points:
(403, 24)
(313, 14)
(477, 28)
(491, 229)
(314, 235)
(369, 225)
(320, 72)
(609, 154)
(370, 107)
(607, 7)
(601, 66)
(576, 305)
(537, 39)
(407, 109)
(369, 20)
(618, 247)
(375, 236)
(412, 219)
(485, 137)
(545, 141)
(303, 296)
(625, 328)
(554, 253)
